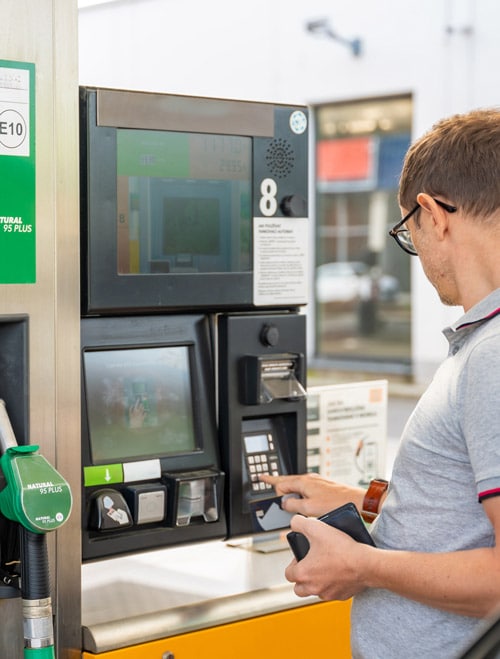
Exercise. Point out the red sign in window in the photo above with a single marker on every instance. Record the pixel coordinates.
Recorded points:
(344, 160)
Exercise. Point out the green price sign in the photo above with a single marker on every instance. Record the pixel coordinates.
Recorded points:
(17, 173)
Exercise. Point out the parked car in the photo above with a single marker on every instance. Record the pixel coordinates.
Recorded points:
(349, 281)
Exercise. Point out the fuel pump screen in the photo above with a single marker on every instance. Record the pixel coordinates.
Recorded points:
(183, 202)
(139, 403)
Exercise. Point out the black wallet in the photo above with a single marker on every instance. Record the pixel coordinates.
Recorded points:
(346, 519)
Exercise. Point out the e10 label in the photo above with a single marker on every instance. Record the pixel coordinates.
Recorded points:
(12, 129)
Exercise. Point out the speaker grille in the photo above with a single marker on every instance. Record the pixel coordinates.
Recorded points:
(280, 158)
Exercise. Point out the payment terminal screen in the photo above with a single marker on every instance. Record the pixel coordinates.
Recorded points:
(139, 403)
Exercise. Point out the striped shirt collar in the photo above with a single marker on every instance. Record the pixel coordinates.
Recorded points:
(487, 308)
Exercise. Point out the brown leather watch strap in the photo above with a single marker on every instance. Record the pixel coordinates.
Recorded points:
(373, 495)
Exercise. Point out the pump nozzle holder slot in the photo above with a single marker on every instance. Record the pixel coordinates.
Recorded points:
(264, 378)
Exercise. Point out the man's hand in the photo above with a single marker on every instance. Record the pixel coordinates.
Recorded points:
(318, 495)
(333, 566)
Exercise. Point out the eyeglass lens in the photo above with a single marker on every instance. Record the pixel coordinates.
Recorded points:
(403, 236)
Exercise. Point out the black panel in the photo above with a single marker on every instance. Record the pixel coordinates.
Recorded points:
(14, 384)
(141, 333)
(282, 157)
(14, 391)
(240, 337)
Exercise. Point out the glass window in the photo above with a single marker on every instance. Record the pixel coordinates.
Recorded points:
(362, 281)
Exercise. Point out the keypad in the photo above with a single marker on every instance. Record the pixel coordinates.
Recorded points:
(262, 463)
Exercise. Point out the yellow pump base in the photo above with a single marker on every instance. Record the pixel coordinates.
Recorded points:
(314, 631)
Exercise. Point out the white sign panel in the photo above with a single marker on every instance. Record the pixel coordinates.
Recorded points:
(347, 431)
(14, 112)
(280, 260)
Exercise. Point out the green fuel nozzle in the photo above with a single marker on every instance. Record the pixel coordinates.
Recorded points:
(36, 495)
(38, 498)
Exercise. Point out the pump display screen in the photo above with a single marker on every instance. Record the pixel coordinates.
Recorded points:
(183, 202)
(256, 443)
(139, 403)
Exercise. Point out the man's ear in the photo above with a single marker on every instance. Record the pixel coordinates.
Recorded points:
(439, 216)
(426, 202)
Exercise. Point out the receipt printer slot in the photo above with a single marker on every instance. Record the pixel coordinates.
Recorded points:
(194, 496)
(265, 378)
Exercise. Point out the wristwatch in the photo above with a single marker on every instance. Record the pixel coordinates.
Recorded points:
(371, 502)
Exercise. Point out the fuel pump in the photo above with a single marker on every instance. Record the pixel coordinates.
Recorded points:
(39, 500)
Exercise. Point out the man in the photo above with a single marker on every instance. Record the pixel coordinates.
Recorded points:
(436, 569)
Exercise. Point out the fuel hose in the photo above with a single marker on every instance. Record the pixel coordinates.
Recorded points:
(35, 593)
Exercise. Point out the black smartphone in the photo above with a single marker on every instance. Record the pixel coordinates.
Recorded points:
(346, 519)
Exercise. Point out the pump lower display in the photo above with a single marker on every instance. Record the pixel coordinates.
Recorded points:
(151, 470)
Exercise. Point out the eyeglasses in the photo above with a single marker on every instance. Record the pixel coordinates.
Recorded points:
(402, 235)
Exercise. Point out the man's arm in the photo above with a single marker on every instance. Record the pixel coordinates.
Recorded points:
(465, 582)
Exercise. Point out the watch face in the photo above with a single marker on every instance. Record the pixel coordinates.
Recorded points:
(298, 122)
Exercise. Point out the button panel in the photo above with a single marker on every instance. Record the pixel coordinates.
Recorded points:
(261, 458)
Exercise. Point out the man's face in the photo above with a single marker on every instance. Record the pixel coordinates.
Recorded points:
(433, 257)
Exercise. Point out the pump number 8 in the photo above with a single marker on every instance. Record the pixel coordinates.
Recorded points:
(268, 204)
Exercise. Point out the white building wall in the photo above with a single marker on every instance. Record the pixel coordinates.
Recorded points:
(445, 52)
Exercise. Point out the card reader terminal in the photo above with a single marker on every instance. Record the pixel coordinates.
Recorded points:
(261, 455)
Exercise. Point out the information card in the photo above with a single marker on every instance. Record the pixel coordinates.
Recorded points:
(280, 260)
(347, 431)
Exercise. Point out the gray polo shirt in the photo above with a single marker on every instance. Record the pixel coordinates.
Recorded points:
(449, 460)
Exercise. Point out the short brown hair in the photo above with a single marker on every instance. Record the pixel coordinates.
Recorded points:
(458, 159)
